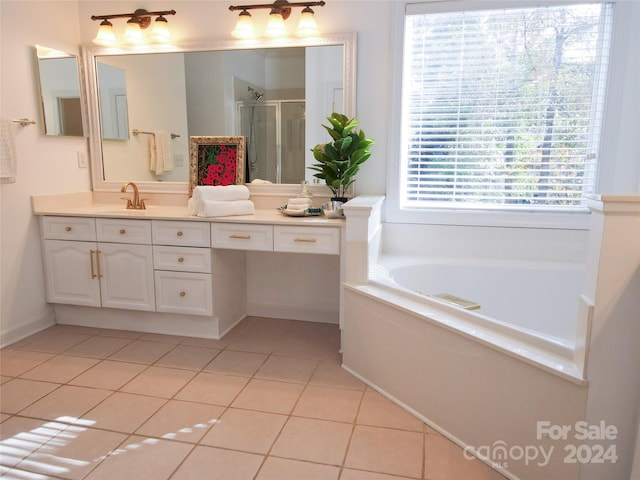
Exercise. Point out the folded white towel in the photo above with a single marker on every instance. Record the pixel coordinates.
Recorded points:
(217, 208)
(164, 152)
(299, 203)
(220, 193)
(8, 156)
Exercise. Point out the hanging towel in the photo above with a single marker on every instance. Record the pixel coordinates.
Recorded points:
(160, 152)
(8, 154)
(216, 208)
(221, 192)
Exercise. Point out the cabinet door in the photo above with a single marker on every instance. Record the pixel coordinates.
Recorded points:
(126, 276)
(69, 268)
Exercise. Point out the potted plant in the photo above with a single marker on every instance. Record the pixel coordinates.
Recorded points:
(339, 161)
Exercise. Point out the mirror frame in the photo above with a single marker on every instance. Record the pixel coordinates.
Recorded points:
(90, 86)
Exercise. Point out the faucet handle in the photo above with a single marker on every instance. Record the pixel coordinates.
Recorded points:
(141, 205)
(129, 204)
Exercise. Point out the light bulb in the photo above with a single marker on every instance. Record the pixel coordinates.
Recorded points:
(160, 32)
(133, 33)
(307, 26)
(105, 36)
(275, 26)
(244, 27)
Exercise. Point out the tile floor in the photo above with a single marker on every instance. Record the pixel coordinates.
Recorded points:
(268, 402)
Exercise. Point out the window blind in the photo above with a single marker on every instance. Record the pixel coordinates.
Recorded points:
(503, 107)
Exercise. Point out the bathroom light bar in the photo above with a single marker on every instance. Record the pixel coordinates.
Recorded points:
(138, 21)
(280, 11)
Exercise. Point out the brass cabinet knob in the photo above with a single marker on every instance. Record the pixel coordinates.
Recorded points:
(67, 229)
(180, 259)
(122, 231)
(182, 294)
(179, 234)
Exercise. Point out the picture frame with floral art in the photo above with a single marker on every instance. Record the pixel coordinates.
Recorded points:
(216, 160)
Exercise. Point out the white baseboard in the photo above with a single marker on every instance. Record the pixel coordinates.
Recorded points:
(25, 329)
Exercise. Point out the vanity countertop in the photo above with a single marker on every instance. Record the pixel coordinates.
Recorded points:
(46, 205)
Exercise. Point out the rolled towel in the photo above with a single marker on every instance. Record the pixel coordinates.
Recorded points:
(217, 208)
(299, 203)
(226, 192)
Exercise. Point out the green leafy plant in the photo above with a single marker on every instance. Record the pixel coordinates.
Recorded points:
(339, 161)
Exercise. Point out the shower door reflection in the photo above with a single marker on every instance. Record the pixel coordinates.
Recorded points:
(275, 136)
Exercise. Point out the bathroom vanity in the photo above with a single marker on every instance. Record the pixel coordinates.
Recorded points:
(161, 270)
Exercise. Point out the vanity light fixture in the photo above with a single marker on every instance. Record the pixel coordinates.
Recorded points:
(138, 21)
(280, 11)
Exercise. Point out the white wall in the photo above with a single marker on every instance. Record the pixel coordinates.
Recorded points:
(45, 164)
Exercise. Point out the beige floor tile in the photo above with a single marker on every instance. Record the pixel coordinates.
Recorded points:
(331, 374)
(383, 450)
(55, 340)
(313, 440)
(348, 474)
(379, 411)
(206, 342)
(269, 396)
(139, 351)
(4, 416)
(158, 337)
(287, 369)
(142, 458)
(123, 412)
(108, 375)
(119, 333)
(311, 348)
(251, 342)
(68, 403)
(444, 460)
(15, 362)
(212, 388)
(5, 379)
(99, 347)
(338, 404)
(183, 421)
(73, 453)
(60, 369)
(159, 382)
(218, 465)
(284, 469)
(245, 430)
(188, 357)
(18, 394)
(236, 363)
(20, 436)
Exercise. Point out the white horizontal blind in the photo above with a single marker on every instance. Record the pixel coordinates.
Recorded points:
(503, 108)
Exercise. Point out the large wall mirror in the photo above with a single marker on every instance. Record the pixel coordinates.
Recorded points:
(59, 89)
(276, 96)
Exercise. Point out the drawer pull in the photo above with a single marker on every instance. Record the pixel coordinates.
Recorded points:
(122, 231)
(305, 240)
(180, 259)
(240, 237)
(179, 234)
(93, 274)
(67, 229)
(182, 294)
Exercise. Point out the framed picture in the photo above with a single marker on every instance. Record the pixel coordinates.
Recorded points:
(216, 161)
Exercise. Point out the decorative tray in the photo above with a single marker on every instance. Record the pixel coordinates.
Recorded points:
(309, 212)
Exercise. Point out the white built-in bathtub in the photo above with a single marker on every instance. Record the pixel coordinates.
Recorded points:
(533, 303)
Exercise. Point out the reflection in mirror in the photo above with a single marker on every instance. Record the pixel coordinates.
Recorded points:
(276, 97)
(59, 92)
(112, 87)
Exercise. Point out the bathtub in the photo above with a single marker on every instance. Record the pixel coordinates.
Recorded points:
(535, 303)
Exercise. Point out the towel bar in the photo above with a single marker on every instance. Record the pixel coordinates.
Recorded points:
(136, 132)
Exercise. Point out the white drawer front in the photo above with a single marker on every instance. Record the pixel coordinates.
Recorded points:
(123, 231)
(69, 228)
(306, 239)
(240, 236)
(192, 234)
(182, 259)
(181, 292)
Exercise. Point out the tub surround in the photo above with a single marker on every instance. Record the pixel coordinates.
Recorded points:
(484, 390)
(242, 249)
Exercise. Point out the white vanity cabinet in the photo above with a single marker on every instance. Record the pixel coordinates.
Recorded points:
(182, 262)
(99, 262)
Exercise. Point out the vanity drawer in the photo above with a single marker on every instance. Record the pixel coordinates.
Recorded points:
(240, 236)
(182, 292)
(182, 259)
(69, 228)
(192, 234)
(306, 239)
(123, 231)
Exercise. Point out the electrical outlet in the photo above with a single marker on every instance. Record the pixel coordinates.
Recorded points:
(82, 159)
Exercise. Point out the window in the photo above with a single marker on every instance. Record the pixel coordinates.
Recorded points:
(502, 108)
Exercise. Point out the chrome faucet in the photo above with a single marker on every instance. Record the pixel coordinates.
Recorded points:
(137, 203)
